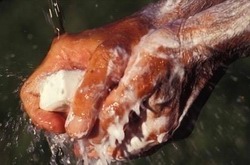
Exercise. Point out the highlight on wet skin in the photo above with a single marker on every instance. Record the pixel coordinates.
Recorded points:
(122, 89)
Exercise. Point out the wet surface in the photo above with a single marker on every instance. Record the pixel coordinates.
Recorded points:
(221, 135)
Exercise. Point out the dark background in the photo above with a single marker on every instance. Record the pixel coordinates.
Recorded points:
(222, 132)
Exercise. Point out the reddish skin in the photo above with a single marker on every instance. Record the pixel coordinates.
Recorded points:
(78, 49)
(60, 56)
(83, 51)
(125, 34)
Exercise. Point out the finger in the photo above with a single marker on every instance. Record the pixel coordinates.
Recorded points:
(50, 121)
(106, 67)
(30, 97)
(172, 115)
(148, 64)
(89, 153)
(145, 134)
(60, 57)
(213, 38)
(158, 113)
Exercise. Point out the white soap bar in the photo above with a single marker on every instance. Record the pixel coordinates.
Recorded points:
(59, 88)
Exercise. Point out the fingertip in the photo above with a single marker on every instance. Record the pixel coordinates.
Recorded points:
(49, 121)
(89, 150)
(77, 127)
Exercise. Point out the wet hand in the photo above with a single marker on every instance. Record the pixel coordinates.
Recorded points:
(138, 77)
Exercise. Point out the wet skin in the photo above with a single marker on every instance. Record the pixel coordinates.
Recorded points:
(142, 73)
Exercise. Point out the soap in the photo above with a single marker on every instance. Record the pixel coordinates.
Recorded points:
(59, 88)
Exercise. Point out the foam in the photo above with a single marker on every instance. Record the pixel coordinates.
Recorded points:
(138, 144)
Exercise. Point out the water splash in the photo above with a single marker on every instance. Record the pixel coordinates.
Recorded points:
(61, 149)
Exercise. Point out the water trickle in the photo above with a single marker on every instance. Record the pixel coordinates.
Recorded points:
(61, 149)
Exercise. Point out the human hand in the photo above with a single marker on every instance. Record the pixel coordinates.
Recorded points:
(140, 76)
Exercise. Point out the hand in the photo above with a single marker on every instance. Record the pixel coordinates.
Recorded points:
(141, 74)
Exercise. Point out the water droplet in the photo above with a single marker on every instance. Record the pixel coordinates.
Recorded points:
(235, 79)
(30, 36)
(34, 47)
(240, 99)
